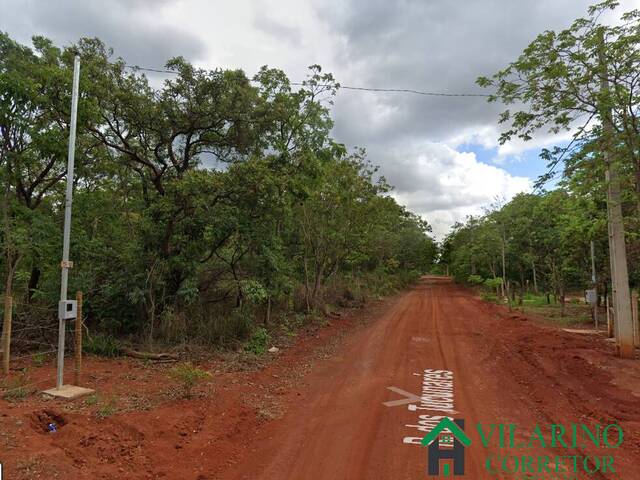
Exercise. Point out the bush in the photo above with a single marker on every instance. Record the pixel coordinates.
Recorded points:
(493, 283)
(188, 376)
(475, 280)
(258, 342)
(103, 346)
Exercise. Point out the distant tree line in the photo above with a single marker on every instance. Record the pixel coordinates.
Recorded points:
(582, 79)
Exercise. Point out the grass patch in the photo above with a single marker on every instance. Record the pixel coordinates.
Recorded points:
(103, 346)
(575, 314)
(533, 300)
(489, 297)
(39, 359)
(16, 389)
(107, 408)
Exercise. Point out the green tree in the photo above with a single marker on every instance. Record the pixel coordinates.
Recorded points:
(586, 73)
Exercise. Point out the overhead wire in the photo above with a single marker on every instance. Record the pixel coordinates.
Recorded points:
(344, 87)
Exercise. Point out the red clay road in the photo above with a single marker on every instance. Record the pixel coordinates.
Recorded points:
(506, 369)
(316, 410)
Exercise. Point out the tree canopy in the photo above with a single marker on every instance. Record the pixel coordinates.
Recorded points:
(203, 206)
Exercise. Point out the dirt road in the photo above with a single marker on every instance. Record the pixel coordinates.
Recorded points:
(319, 409)
(505, 370)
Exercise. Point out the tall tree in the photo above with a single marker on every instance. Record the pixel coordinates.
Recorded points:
(586, 73)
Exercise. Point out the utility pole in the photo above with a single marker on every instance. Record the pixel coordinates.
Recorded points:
(64, 306)
(67, 309)
(617, 248)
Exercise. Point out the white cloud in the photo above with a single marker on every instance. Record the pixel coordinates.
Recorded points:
(435, 45)
(444, 185)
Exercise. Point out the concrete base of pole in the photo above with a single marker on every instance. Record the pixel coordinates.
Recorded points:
(68, 392)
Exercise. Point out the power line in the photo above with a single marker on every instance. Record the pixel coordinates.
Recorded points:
(346, 87)
(408, 90)
(157, 70)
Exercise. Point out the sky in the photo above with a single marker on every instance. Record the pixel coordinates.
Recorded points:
(440, 153)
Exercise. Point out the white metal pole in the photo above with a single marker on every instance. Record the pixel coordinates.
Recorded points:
(67, 216)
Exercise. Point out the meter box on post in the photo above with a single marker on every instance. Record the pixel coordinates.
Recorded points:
(67, 309)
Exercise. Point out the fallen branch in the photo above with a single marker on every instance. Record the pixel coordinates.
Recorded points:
(149, 356)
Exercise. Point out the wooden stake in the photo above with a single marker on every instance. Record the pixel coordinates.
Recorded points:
(609, 326)
(634, 315)
(6, 333)
(78, 349)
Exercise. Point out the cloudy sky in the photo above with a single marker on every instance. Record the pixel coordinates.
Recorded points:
(441, 153)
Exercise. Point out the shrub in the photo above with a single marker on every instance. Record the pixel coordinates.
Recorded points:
(258, 342)
(475, 280)
(103, 346)
(493, 283)
(188, 376)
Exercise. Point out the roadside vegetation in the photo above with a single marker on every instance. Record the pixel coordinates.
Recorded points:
(208, 205)
(536, 248)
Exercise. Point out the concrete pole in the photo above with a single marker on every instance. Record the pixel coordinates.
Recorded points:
(617, 248)
(66, 239)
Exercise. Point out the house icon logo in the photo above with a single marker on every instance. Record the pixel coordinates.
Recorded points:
(446, 442)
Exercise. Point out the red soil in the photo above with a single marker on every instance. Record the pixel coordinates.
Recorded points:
(315, 410)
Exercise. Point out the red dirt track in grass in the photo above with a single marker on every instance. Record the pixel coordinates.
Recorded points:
(316, 412)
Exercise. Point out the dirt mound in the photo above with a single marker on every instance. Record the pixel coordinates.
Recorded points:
(47, 421)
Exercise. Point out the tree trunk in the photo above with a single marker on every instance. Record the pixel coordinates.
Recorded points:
(316, 285)
(267, 318)
(521, 296)
(306, 285)
(34, 279)
(12, 257)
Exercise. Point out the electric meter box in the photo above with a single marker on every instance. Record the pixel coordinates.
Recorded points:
(592, 297)
(67, 309)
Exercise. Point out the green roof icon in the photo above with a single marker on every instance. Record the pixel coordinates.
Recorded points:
(453, 428)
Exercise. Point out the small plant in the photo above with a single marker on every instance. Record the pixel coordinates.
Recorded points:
(39, 359)
(107, 409)
(188, 376)
(475, 280)
(103, 346)
(91, 400)
(258, 342)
